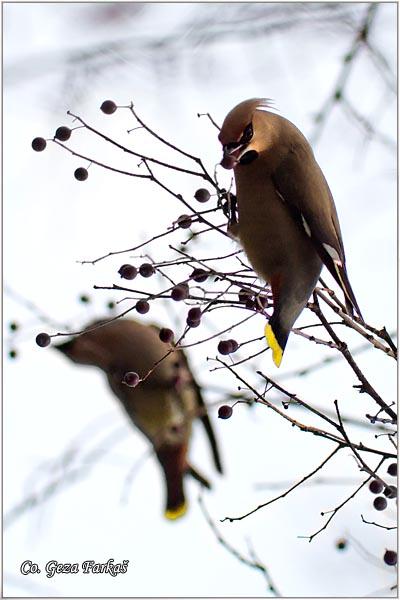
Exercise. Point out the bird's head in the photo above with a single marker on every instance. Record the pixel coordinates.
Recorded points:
(121, 345)
(244, 133)
(90, 348)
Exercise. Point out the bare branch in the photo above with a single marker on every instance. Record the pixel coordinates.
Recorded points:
(336, 510)
(254, 564)
(293, 487)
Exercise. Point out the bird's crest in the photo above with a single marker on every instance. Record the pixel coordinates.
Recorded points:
(240, 116)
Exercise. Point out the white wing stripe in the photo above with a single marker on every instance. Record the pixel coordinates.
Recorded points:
(333, 254)
(306, 226)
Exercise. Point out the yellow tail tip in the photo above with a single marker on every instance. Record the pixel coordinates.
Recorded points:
(272, 342)
(175, 513)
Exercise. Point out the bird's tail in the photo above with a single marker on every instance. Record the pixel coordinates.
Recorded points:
(173, 462)
(175, 467)
(276, 335)
(342, 278)
(190, 470)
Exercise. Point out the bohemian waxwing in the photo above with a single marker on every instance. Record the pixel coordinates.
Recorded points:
(162, 406)
(287, 225)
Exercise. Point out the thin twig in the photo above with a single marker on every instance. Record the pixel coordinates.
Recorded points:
(129, 151)
(364, 466)
(335, 510)
(254, 564)
(366, 386)
(377, 524)
(293, 487)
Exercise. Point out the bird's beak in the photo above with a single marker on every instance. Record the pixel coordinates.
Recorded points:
(65, 347)
(232, 156)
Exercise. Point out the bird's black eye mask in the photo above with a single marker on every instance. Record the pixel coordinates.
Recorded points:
(247, 157)
(247, 134)
(245, 139)
(251, 155)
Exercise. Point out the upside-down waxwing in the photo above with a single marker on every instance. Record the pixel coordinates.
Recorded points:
(287, 220)
(163, 405)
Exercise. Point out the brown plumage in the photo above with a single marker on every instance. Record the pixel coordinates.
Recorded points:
(163, 406)
(288, 225)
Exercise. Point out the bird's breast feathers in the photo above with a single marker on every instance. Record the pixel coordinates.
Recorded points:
(268, 233)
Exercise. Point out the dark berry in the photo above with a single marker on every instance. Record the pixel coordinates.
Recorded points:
(202, 195)
(390, 557)
(192, 322)
(244, 295)
(194, 314)
(184, 221)
(43, 340)
(39, 144)
(166, 335)
(225, 347)
(180, 292)
(63, 134)
(128, 271)
(250, 303)
(81, 174)
(146, 270)
(392, 469)
(131, 379)
(108, 107)
(84, 299)
(225, 411)
(341, 544)
(199, 275)
(111, 305)
(375, 486)
(13, 326)
(12, 354)
(142, 306)
(390, 491)
(193, 317)
(380, 503)
(234, 345)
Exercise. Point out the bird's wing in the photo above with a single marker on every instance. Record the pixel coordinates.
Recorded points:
(302, 186)
(204, 417)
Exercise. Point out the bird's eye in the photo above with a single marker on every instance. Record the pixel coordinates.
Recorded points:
(245, 139)
(247, 134)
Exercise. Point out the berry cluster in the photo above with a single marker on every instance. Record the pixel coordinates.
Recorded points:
(390, 491)
(63, 134)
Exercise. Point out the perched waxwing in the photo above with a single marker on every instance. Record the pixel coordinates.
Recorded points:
(287, 220)
(163, 405)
